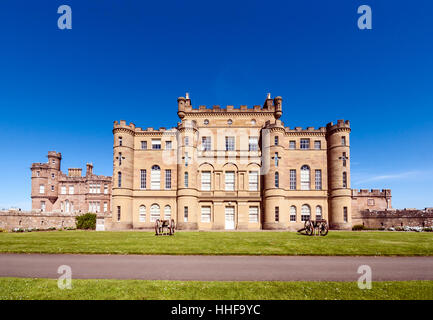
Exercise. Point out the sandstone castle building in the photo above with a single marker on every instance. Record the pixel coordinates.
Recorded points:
(55, 192)
(232, 168)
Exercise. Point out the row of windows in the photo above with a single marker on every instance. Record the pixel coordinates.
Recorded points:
(305, 179)
(155, 178)
(155, 213)
(305, 213)
(93, 188)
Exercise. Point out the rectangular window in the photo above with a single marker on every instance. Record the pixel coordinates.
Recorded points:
(168, 145)
(187, 141)
(345, 214)
(38, 173)
(230, 181)
(277, 180)
(276, 158)
(318, 179)
(52, 176)
(168, 179)
(277, 214)
(120, 141)
(71, 189)
(63, 189)
(276, 140)
(43, 207)
(156, 144)
(105, 206)
(119, 179)
(253, 181)
(317, 145)
(186, 159)
(155, 179)
(205, 214)
(292, 145)
(293, 214)
(344, 159)
(143, 145)
(230, 143)
(343, 141)
(118, 213)
(253, 214)
(143, 179)
(305, 143)
(185, 214)
(205, 181)
(185, 180)
(370, 202)
(105, 189)
(41, 188)
(292, 179)
(206, 143)
(253, 143)
(52, 188)
(344, 180)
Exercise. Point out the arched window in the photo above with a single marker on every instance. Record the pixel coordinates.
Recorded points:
(185, 180)
(142, 214)
(277, 180)
(155, 178)
(119, 179)
(305, 212)
(318, 212)
(292, 213)
(305, 178)
(154, 213)
(167, 212)
(344, 179)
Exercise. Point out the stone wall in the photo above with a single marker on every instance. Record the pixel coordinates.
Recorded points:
(35, 220)
(397, 218)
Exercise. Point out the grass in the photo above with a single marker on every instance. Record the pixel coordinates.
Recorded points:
(46, 289)
(220, 243)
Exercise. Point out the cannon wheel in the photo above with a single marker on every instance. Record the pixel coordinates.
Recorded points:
(323, 228)
(172, 227)
(308, 226)
(157, 229)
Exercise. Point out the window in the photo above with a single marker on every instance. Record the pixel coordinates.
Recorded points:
(186, 159)
(143, 145)
(38, 173)
(253, 144)
(53, 161)
(305, 178)
(205, 181)
(52, 188)
(206, 122)
(187, 141)
(345, 214)
(276, 158)
(205, 214)
(370, 202)
(276, 140)
(105, 206)
(41, 188)
(43, 207)
(167, 212)
(185, 214)
(63, 190)
(229, 122)
(343, 141)
(94, 206)
(168, 179)
(142, 214)
(168, 145)
(67, 207)
(230, 143)
(344, 159)
(305, 143)
(317, 145)
(318, 212)
(253, 214)
(253, 181)
(292, 144)
(120, 141)
(143, 179)
(277, 214)
(118, 213)
(120, 158)
(105, 189)
(119, 179)
(52, 176)
(344, 180)
(154, 213)
(277, 180)
(155, 178)
(253, 122)
(156, 144)
(185, 180)
(318, 179)
(71, 189)
(292, 179)
(206, 143)
(230, 181)
(305, 212)
(293, 213)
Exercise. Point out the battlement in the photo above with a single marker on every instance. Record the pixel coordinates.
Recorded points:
(133, 129)
(54, 154)
(371, 193)
(306, 130)
(341, 124)
(74, 172)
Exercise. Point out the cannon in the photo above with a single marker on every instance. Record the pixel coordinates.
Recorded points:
(164, 227)
(315, 227)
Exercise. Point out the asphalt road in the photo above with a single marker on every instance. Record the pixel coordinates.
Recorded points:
(206, 268)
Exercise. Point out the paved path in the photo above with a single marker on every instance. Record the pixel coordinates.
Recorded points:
(236, 268)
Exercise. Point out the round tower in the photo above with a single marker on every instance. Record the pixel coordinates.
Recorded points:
(187, 191)
(340, 198)
(123, 164)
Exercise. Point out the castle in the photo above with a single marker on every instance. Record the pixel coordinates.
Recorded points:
(55, 192)
(232, 168)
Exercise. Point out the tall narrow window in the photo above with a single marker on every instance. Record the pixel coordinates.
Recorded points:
(253, 181)
(292, 145)
(63, 190)
(205, 181)
(142, 214)
(143, 179)
(118, 213)
(230, 180)
(318, 179)
(105, 206)
(187, 141)
(105, 189)
(155, 178)
(185, 180)
(345, 214)
(292, 179)
(305, 212)
(185, 214)
(305, 143)
(154, 213)
(343, 141)
(67, 207)
(344, 159)
(41, 188)
(71, 189)
(277, 214)
(120, 141)
(43, 207)
(52, 188)
(156, 144)
(186, 159)
(120, 158)
(167, 212)
(318, 212)
(317, 145)
(276, 158)
(293, 213)
(276, 140)
(230, 143)
(277, 180)
(168, 145)
(205, 214)
(144, 145)
(344, 180)
(168, 179)
(305, 177)
(253, 214)
(253, 144)
(119, 179)
(206, 143)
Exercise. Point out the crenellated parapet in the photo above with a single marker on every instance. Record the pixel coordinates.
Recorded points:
(371, 193)
(309, 131)
(341, 125)
(122, 126)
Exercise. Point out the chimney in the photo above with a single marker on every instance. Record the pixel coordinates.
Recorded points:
(74, 172)
(89, 169)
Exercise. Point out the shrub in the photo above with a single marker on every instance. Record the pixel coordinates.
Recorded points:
(86, 221)
(358, 227)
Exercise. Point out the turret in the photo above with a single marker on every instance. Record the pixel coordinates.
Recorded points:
(54, 160)
(340, 200)
(278, 103)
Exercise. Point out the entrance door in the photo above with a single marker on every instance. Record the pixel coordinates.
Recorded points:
(230, 218)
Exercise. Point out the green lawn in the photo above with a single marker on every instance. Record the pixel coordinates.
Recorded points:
(22, 288)
(220, 243)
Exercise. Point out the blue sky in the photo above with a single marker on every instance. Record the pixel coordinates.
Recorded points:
(62, 89)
